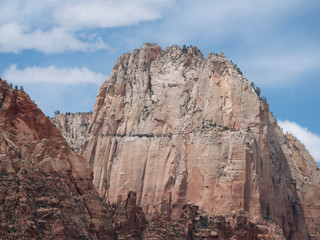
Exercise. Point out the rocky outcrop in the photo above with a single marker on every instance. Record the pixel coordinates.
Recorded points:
(194, 224)
(306, 178)
(74, 128)
(46, 190)
(128, 218)
(176, 127)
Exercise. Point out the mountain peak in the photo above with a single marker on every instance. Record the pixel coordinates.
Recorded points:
(178, 128)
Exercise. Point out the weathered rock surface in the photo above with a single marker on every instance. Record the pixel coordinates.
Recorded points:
(74, 128)
(194, 224)
(46, 190)
(128, 219)
(129, 223)
(176, 127)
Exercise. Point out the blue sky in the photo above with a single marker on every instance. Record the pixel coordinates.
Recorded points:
(62, 51)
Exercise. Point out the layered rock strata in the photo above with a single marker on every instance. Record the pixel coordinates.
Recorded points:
(46, 190)
(179, 128)
(74, 128)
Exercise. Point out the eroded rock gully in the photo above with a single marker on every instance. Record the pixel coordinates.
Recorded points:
(178, 128)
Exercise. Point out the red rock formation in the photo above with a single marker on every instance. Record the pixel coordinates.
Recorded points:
(194, 224)
(129, 223)
(177, 127)
(128, 219)
(46, 190)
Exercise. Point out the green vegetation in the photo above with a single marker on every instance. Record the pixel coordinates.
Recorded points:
(237, 68)
(258, 92)
(185, 48)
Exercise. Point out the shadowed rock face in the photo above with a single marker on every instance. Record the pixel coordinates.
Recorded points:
(46, 190)
(176, 127)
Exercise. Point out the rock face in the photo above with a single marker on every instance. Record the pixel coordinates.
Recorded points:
(194, 224)
(46, 190)
(178, 128)
(128, 219)
(74, 128)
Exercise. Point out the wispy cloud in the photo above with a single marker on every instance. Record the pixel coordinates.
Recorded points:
(222, 19)
(52, 74)
(15, 38)
(276, 69)
(56, 26)
(106, 14)
(309, 139)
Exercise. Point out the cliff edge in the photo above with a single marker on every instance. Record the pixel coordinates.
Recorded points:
(179, 128)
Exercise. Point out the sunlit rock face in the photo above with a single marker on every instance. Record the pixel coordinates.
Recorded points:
(177, 127)
(74, 128)
(46, 190)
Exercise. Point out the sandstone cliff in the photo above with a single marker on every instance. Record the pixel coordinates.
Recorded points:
(194, 224)
(179, 128)
(128, 219)
(74, 128)
(46, 190)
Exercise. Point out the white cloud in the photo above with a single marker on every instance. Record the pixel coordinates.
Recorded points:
(52, 74)
(15, 38)
(106, 14)
(309, 139)
(56, 26)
